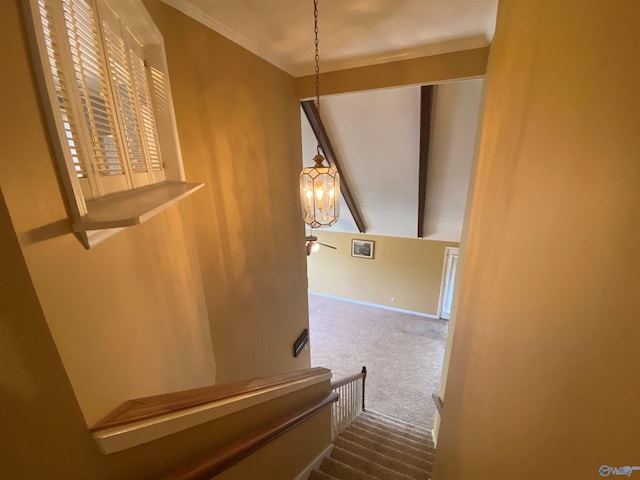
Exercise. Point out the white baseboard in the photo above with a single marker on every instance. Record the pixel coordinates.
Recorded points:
(427, 315)
(315, 463)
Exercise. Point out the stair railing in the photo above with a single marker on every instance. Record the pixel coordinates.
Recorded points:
(350, 404)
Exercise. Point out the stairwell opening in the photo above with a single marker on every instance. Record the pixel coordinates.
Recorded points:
(403, 354)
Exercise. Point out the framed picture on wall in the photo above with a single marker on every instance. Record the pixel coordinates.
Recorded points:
(362, 248)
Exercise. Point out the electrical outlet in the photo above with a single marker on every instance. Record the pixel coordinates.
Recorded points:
(393, 299)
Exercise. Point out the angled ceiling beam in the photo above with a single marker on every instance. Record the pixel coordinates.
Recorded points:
(426, 106)
(311, 111)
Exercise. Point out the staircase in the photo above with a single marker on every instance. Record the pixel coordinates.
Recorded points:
(376, 446)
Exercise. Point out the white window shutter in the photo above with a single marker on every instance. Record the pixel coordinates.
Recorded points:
(89, 65)
(159, 87)
(71, 143)
(141, 83)
(124, 94)
(160, 98)
(102, 72)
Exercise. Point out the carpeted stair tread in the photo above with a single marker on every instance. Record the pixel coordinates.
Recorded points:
(404, 446)
(390, 432)
(318, 475)
(366, 465)
(390, 462)
(379, 447)
(342, 471)
(395, 427)
(423, 461)
(395, 421)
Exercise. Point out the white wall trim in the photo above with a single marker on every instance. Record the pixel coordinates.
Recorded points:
(420, 314)
(126, 436)
(447, 251)
(315, 463)
(217, 26)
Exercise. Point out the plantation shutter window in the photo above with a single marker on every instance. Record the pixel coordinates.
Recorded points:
(126, 102)
(133, 99)
(103, 74)
(141, 81)
(89, 66)
(71, 144)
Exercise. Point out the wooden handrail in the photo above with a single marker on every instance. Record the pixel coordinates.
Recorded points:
(145, 408)
(438, 401)
(349, 379)
(233, 453)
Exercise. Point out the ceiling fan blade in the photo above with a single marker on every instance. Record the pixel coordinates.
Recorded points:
(327, 245)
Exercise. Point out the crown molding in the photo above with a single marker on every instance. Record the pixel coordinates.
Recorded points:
(327, 65)
(198, 15)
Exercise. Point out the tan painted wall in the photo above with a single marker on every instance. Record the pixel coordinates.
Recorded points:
(239, 127)
(543, 380)
(417, 71)
(43, 430)
(408, 269)
(210, 290)
(135, 315)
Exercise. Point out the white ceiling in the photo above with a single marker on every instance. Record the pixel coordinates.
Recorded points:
(376, 136)
(352, 33)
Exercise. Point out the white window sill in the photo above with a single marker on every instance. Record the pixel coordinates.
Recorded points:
(110, 214)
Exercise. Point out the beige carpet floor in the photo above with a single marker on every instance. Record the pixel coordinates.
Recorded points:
(402, 352)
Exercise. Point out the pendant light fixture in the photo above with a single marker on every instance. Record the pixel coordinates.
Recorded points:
(320, 184)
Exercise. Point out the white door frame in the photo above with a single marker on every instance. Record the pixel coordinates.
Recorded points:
(446, 275)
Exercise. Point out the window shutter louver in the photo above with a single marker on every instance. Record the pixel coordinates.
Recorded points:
(72, 144)
(95, 95)
(159, 87)
(122, 82)
(160, 99)
(146, 110)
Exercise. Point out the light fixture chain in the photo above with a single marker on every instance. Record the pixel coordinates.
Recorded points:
(315, 29)
(317, 58)
(319, 185)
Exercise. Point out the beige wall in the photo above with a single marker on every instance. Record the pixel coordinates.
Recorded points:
(544, 364)
(140, 313)
(239, 126)
(44, 435)
(417, 71)
(209, 290)
(410, 270)
(456, 113)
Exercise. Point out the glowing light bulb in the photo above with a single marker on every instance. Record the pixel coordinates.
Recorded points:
(315, 247)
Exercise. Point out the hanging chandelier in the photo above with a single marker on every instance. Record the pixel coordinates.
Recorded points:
(320, 184)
